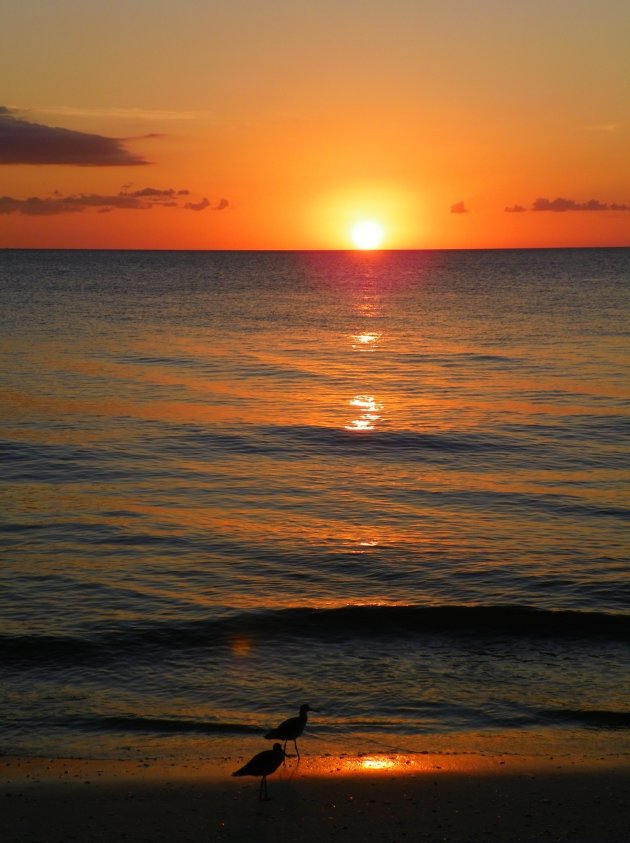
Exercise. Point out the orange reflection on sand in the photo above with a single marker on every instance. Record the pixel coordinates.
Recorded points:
(370, 414)
(377, 762)
(368, 765)
(477, 761)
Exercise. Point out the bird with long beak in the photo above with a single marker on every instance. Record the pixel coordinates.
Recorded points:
(291, 729)
(263, 765)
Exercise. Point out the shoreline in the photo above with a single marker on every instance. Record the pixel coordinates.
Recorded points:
(350, 798)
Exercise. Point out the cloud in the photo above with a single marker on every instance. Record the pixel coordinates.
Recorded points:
(154, 192)
(561, 205)
(22, 142)
(221, 205)
(459, 208)
(603, 127)
(142, 199)
(197, 206)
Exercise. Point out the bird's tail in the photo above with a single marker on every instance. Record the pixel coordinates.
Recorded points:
(272, 734)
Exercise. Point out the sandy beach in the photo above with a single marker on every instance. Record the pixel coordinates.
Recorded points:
(347, 798)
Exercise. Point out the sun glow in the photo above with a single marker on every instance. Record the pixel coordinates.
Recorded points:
(367, 234)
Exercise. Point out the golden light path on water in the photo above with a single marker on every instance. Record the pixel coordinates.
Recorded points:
(369, 409)
(368, 405)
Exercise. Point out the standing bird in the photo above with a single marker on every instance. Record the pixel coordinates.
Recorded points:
(263, 764)
(291, 729)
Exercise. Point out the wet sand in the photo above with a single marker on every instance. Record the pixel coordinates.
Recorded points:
(391, 799)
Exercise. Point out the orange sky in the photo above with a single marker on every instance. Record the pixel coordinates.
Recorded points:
(286, 122)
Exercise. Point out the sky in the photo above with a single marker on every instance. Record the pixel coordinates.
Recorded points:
(279, 124)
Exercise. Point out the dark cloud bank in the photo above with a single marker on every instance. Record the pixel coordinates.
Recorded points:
(22, 142)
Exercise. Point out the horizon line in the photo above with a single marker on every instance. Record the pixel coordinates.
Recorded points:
(278, 250)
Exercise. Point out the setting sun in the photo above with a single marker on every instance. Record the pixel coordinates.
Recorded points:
(367, 234)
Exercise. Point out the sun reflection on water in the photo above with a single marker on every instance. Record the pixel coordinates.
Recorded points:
(369, 408)
(240, 646)
(365, 341)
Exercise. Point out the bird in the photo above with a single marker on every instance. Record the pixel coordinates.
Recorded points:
(291, 729)
(263, 765)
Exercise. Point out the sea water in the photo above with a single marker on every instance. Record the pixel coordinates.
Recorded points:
(393, 485)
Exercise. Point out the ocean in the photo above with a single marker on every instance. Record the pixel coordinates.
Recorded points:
(392, 485)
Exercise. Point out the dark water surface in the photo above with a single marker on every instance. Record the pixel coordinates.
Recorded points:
(392, 485)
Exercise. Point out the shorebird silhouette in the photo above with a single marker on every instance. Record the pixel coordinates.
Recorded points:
(263, 764)
(291, 729)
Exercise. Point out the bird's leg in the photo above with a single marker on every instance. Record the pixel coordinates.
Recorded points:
(260, 789)
(297, 751)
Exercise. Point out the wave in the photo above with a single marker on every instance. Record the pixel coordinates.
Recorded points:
(163, 725)
(52, 463)
(358, 621)
(602, 719)
(404, 619)
(277, 438)
(515, 445)
(588, 718)
(591, 718)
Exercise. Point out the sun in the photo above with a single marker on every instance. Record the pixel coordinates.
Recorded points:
(367, 234)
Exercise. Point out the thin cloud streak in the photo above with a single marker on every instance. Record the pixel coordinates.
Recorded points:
(603, 127)
(121, 113)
